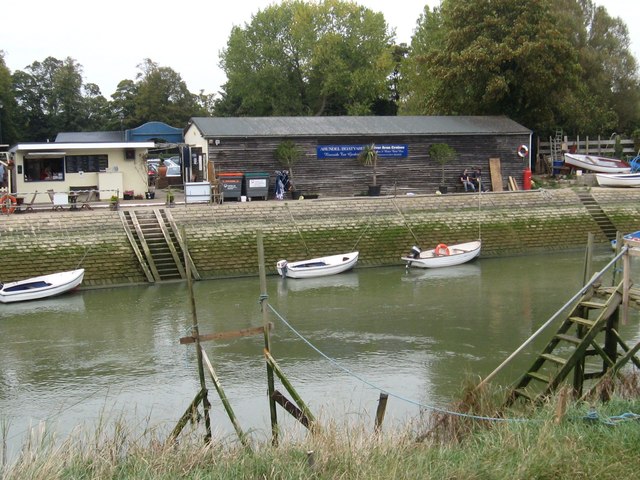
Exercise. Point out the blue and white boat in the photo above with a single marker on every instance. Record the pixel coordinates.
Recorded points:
(633, 237)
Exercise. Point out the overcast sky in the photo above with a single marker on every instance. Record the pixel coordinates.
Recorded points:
(111, 38)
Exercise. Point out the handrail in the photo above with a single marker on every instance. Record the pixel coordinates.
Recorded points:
(596, 276)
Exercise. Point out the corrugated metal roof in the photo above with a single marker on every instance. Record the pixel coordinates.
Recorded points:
(89, 137)
(355, 126)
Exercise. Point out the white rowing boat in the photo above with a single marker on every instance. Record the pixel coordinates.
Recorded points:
(317, 267)
(443, 255)
(618, 179)
(40, 287)
(596, 164)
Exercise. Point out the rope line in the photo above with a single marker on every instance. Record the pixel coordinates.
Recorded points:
(392, 394)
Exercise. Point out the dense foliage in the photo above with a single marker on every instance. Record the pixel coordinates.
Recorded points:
(543, 63)
(547, 64)
(302, 58)
(49, 97)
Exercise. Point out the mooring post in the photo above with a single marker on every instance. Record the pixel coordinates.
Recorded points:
(588, 259)
(267, 338)
(382, 408)
(195, 333)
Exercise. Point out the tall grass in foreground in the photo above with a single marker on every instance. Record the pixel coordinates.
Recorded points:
(551, 442)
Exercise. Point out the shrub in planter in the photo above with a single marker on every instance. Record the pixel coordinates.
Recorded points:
(443, 154)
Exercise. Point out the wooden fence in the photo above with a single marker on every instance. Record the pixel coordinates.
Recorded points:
(595, 146)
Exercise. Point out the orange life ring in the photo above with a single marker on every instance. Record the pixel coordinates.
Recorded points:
(442, 249)
(8, 204)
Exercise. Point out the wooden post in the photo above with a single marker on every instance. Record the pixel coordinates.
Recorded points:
(292, 391)
(224, 400)
(267, 339)
(195, 333)
(187, 415)
(626, 285)
(382, 407)
(588, 260)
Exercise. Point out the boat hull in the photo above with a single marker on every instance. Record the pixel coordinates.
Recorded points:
(41, 287)
(458, 254)
(318, 267)
(618, 179)
(596, 164)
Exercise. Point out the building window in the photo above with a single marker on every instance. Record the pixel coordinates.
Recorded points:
(43, 169)
(86, 163)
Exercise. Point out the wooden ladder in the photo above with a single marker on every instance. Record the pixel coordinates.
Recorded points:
(566, 351)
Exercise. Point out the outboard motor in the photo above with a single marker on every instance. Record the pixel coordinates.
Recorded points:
(282, 265)
(415, 252)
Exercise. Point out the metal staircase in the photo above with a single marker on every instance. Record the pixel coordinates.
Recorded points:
(157, 244)
(567, 350)
(596, 212)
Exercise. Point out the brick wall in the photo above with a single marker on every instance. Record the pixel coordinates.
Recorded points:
(222, 238)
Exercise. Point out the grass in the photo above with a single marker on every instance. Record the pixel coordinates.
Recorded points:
(554, 441)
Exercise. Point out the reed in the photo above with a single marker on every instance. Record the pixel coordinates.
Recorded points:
(543, 444)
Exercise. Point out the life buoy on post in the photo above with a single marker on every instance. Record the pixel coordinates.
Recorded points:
(442, 250)
(523, 151)
(8, 204)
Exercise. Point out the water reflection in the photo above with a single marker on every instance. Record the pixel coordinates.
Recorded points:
(414, 333)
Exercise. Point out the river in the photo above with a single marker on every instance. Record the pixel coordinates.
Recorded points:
(97, 355)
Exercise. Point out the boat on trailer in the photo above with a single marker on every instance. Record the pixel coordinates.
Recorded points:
(40, 287)
(443, 255)
(597, 164)
(317, 267)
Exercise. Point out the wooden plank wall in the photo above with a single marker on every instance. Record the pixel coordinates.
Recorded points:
(417, 173)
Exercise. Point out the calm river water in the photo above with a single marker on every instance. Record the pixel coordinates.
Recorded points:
(115, 353)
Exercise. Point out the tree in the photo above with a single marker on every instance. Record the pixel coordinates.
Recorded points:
(442, 153)
(498, 57)
(8, 133)
(369, 158)
(161, 95)
(301, 58)
(287, 153)
(609, 70)
(545, 64)
(49, 96)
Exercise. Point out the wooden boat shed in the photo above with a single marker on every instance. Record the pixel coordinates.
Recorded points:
(330, 145)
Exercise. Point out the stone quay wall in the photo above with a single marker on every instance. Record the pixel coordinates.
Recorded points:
(222, 238)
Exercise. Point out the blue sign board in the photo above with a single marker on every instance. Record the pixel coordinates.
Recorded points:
(352, 151)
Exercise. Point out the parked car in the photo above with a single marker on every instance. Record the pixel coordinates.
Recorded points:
(172, 164)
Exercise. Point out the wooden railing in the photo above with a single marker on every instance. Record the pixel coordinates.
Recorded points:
(586, 145)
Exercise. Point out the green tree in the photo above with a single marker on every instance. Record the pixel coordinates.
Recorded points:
(49, 96)
(8, 132)
(287, 153)
(546, 63)
(161, 95)
(299, 58)
(609, 70)
(498, 57)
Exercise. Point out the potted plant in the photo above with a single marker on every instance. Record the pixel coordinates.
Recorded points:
(443, 154)
(170, 198)
(369, 158)
(113, 202)
(162, 169)
(287, 154)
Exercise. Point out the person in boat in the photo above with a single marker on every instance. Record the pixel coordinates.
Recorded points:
(466, 181)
